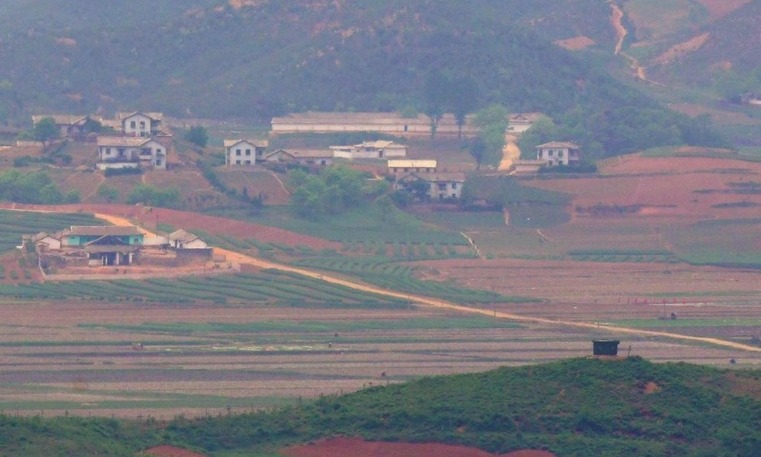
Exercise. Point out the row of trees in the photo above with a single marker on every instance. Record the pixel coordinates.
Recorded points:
(35, 187)
(335, 190)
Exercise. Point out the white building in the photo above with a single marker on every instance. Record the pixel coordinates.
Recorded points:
(244, 152)
(558, 153)
(380, 149)
(403, 166)
(130, 152)
(140, 124)
(440, 186)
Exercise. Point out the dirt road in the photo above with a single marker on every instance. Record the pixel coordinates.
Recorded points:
(510, 153)
(239, 259)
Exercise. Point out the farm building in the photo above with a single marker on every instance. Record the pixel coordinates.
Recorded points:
(400, 166)
(370, 150)
(130, 152)
(104, 245)
(318, 158)
(433, 186)
(180, 239)
(558, 153)
(390, 123)
(244, 152)
(69, 125)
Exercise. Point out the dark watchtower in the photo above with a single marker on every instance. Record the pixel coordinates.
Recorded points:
(605, 347)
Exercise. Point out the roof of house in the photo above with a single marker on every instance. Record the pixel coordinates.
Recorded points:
(121, 116)
(61, 119)
(255, 143)
(349, 118)
(436, 177)
(399, 163)
(524, 117)
(124, 141)
(558, 144)
(101, 230)
(182, 235)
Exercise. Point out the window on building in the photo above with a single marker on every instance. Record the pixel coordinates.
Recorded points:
(237, 152)
(247, 162)
(248, 152)
(237, 162)
(442, 186)
(454, 185)
(132, 124)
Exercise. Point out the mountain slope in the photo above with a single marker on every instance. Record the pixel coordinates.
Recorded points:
(274, 57)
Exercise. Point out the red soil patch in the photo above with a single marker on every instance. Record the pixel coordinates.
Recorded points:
(576, 43)
(353, 447)
(171, 451)
(149, 217)
(720, 8)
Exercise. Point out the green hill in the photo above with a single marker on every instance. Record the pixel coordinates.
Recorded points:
(577, 407)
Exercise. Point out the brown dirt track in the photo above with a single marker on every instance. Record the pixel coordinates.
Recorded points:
(351, 447)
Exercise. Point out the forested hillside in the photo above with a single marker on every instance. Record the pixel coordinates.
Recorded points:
(259, 59)
(574, 408)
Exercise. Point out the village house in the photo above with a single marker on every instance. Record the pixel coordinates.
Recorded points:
(398, 167)
(104, 245)
(244, 152)
(437, 186)
(390, 123)
(558, 153)
(130, 152)
(180, 239)
(520, 122)
(44, 241)
(309, 158)
(69, 125)
(370, 150)
(141, 124)
(117, 246)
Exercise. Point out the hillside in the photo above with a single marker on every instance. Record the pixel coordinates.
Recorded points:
(259, 59)
(576, 407)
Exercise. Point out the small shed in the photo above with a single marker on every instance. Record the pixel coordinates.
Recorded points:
(605, 347)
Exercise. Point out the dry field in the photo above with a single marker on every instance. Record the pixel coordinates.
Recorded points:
(350, 447)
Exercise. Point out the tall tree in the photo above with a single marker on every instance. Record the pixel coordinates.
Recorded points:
(45, 130)
(198, 136)
(463, 98)
(492, 123)
(435, 96)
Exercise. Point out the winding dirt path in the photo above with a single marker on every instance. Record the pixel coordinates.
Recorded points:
(239, 259)
(616, 19)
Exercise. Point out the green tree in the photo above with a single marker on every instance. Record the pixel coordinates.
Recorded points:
(108, 193)
(45, 130)
(492, 123)
(435, 97)
(198, 135)
(463, 99)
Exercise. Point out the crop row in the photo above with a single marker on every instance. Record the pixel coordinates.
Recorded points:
(269, 286)
(382, 272)
(13, 224)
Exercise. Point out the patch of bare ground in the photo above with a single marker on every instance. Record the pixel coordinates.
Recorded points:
(681, 50)
(169, 451)
(720, 8)
(576, 43)
(354, 447)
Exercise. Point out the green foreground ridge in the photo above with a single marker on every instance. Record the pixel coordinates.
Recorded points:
(575, 407)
